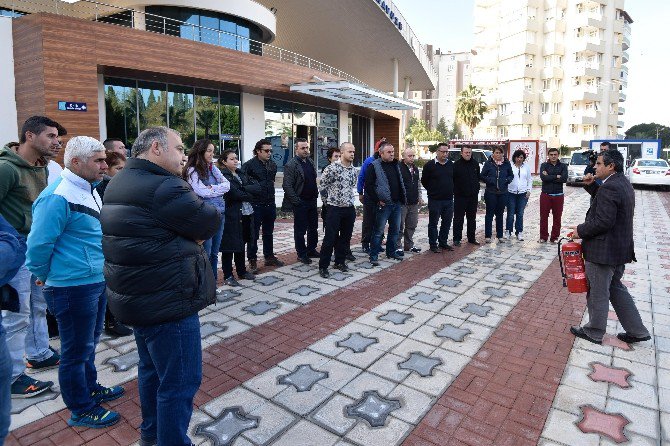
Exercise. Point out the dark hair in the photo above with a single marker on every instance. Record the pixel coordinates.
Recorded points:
(114, 158)
(297, 140)
(553, 149)
(519, 152)
(12, 144)
(224, 155)
(196, 159)
(613, 156)
(36, 125)
(499, 149)
(62, 131)
(441, 144)
(606, 144)
(260, 144)
(382, 145)
(465, 147)
(108, 142)
(331, 151)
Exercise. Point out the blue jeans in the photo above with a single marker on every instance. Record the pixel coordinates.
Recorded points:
(80, 313)
(169, 375)
(212, 246)
(516, 203)
(27, 331)
(265, 216)
(305, 221)
(5, 385)
(389, 213)
(495, 206)
(439, 209)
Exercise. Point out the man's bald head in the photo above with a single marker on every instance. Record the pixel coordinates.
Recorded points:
(408, 155)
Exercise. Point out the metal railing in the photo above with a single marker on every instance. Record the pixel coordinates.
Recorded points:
(103, 12)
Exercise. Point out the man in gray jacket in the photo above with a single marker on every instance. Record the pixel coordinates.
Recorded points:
(300, 194)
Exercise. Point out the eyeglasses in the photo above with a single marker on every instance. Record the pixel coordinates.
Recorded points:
(443, 151)
(266, 150)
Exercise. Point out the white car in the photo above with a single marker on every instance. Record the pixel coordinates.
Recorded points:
(479, 155)
(650, 172)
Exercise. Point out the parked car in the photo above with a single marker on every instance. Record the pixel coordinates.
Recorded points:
(650, 172)
(578, 163)
(479, 155)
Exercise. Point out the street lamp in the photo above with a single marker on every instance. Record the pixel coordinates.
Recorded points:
(667, 153)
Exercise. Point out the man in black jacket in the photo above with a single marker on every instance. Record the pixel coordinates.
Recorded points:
(300, 194)
(607, 241)
(553, 174)
(409, 213)
(158, 277)
(466, 195)
(438, 179)
(263, 170)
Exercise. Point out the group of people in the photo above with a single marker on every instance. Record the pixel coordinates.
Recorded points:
(134, 242)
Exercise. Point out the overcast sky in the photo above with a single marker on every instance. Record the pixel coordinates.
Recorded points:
(448, 24)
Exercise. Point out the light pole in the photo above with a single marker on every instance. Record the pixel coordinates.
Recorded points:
(667, 153)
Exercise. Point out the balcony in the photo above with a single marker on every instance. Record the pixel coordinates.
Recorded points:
(589, 45)
(584, 117)
(585, 93)
(502, 120)
(624, 56)
(518, 72)
(529, 96)
(622, 96)
(516, 49)
(622, 110)
(521, 119)
(554, 26)
(619, 124)
(553, 142)
(552, 72)
(551, 96)
(612, 119)
(550, 119)
(587, 69)
(589, 20)
(625, 42)
(554, 48)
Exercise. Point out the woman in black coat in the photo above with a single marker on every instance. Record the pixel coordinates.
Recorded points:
(497, 174)
(239, 222)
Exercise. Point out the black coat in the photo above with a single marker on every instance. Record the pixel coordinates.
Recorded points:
(155, 270)
(264, 175)
(234, 232)
(607, 233)
(551, 184)
(411, 182)
(496, 177)
(466, 178)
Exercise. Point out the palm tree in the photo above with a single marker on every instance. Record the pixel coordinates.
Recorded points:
(470, 107)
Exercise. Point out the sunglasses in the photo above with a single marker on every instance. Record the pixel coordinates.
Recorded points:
(266, 150)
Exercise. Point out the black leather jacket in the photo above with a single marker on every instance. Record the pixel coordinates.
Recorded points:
(263, 174)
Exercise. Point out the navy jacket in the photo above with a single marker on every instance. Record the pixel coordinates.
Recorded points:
(12, 256)
(497, 178)
(551, 184)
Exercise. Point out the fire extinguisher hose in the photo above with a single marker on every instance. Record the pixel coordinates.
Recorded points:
(560, 260)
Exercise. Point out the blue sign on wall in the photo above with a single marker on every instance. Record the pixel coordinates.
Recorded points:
(72, 106)
(387, 9)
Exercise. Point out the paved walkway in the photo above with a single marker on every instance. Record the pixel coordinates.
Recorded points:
(470, 347)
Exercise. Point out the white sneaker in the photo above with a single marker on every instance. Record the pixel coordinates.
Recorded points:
(519, 236)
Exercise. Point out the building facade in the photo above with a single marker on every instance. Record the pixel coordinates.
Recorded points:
(234, 72)
(552, 69)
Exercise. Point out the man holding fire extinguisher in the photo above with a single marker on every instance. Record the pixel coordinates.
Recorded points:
(607, 241)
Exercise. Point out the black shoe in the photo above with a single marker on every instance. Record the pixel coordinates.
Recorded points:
(230, 281)
(306, 260)
(323, 272)
(395, 257)
(374, 262)
(246, 276)
(118, 330)
(435, 249)
(273, 261)
(342, 267)
(314, 254)
(27, 387)
(399, 253)
(457, 243)
(474, 242)
(448, 247)
(579, 332)
(350, 257)
(253, 266)
(625, 337)
(415, 249)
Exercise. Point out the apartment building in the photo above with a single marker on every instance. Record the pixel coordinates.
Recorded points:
(552, 69)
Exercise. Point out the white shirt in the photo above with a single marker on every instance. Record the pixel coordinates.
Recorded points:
(523, 181)
(53, 171)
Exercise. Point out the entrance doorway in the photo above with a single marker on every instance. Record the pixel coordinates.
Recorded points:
(309, 133)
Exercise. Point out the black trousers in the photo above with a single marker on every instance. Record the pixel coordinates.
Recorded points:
(227, 263)
(465, 207)
(306, 221)
(339, 227)
(369, 210)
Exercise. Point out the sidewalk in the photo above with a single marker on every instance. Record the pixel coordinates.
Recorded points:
(469, 347)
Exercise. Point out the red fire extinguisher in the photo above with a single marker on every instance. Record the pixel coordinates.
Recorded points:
(572, 265)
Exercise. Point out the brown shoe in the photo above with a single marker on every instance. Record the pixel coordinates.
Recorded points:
(273, 261)
(253, 266)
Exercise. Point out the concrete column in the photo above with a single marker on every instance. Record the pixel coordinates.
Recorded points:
(343, 133)
(9, 126)
(372, 137)
(102, 110)
(395, 77)
(253, 123)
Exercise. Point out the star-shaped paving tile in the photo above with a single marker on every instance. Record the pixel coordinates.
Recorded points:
(603, 423)
(532, 257)
(209, 328)
(21, 404)
(226, 295)
(479, 310)
(339, 276)
(396, 317)
(496, 292)
(522, 266)
(124, 362)
(260, 308)
(303, 377)
(452, 332)
(357, 342)
(417, 362)
(450, 283)
(372, 408)
(302, 268)
(465, 269)
(613, 375)
(510, 277)
(424, 297)
(268, 280)
(223, 430)
(303, 290)
(616, 342)
(364, 265)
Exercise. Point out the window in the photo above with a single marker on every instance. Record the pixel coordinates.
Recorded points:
(526, 130)
(615, 61)
(573, 128)
(528, 107)
(574, 106)
(529, 60)
(528, 84)
(544, 108)
(543, 130)
(556, 107)
(546, 84)
(547, 61)
(503, 132)
(557, 84)
(554, 130)
(576, 81)
(502, 109)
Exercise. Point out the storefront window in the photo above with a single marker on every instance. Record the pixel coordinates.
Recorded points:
(180, 112)
(359, 135)
(230, 122)
(121, 109)
(152, 104)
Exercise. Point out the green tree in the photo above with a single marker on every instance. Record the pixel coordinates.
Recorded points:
(455, 132)
(470, 107)
(650, 131)
(443, 130)
(419, 131)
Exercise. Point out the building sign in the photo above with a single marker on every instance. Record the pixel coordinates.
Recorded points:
(72, 106)
(391, 15)
(229, 137)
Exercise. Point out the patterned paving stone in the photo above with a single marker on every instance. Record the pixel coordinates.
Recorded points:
(614, 375)
(363, 265)
(465, 269)
(226, 295)
(303, 290)
(421, 364)
(510, 277)
(125, 362)
(522, 266)
(209, 328)
(224, 430)
(616, 342)
(450, 283)
(302, 268)
(496, 292)
(21, 404)
(479, 310)
(532, 257)
(396, 317)
(260, 308)
(357, 342)
(603, 423)
(302, 378)
(339, 276)
(451, 332)
(268, 280)
(424, 297)
(372, 408)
